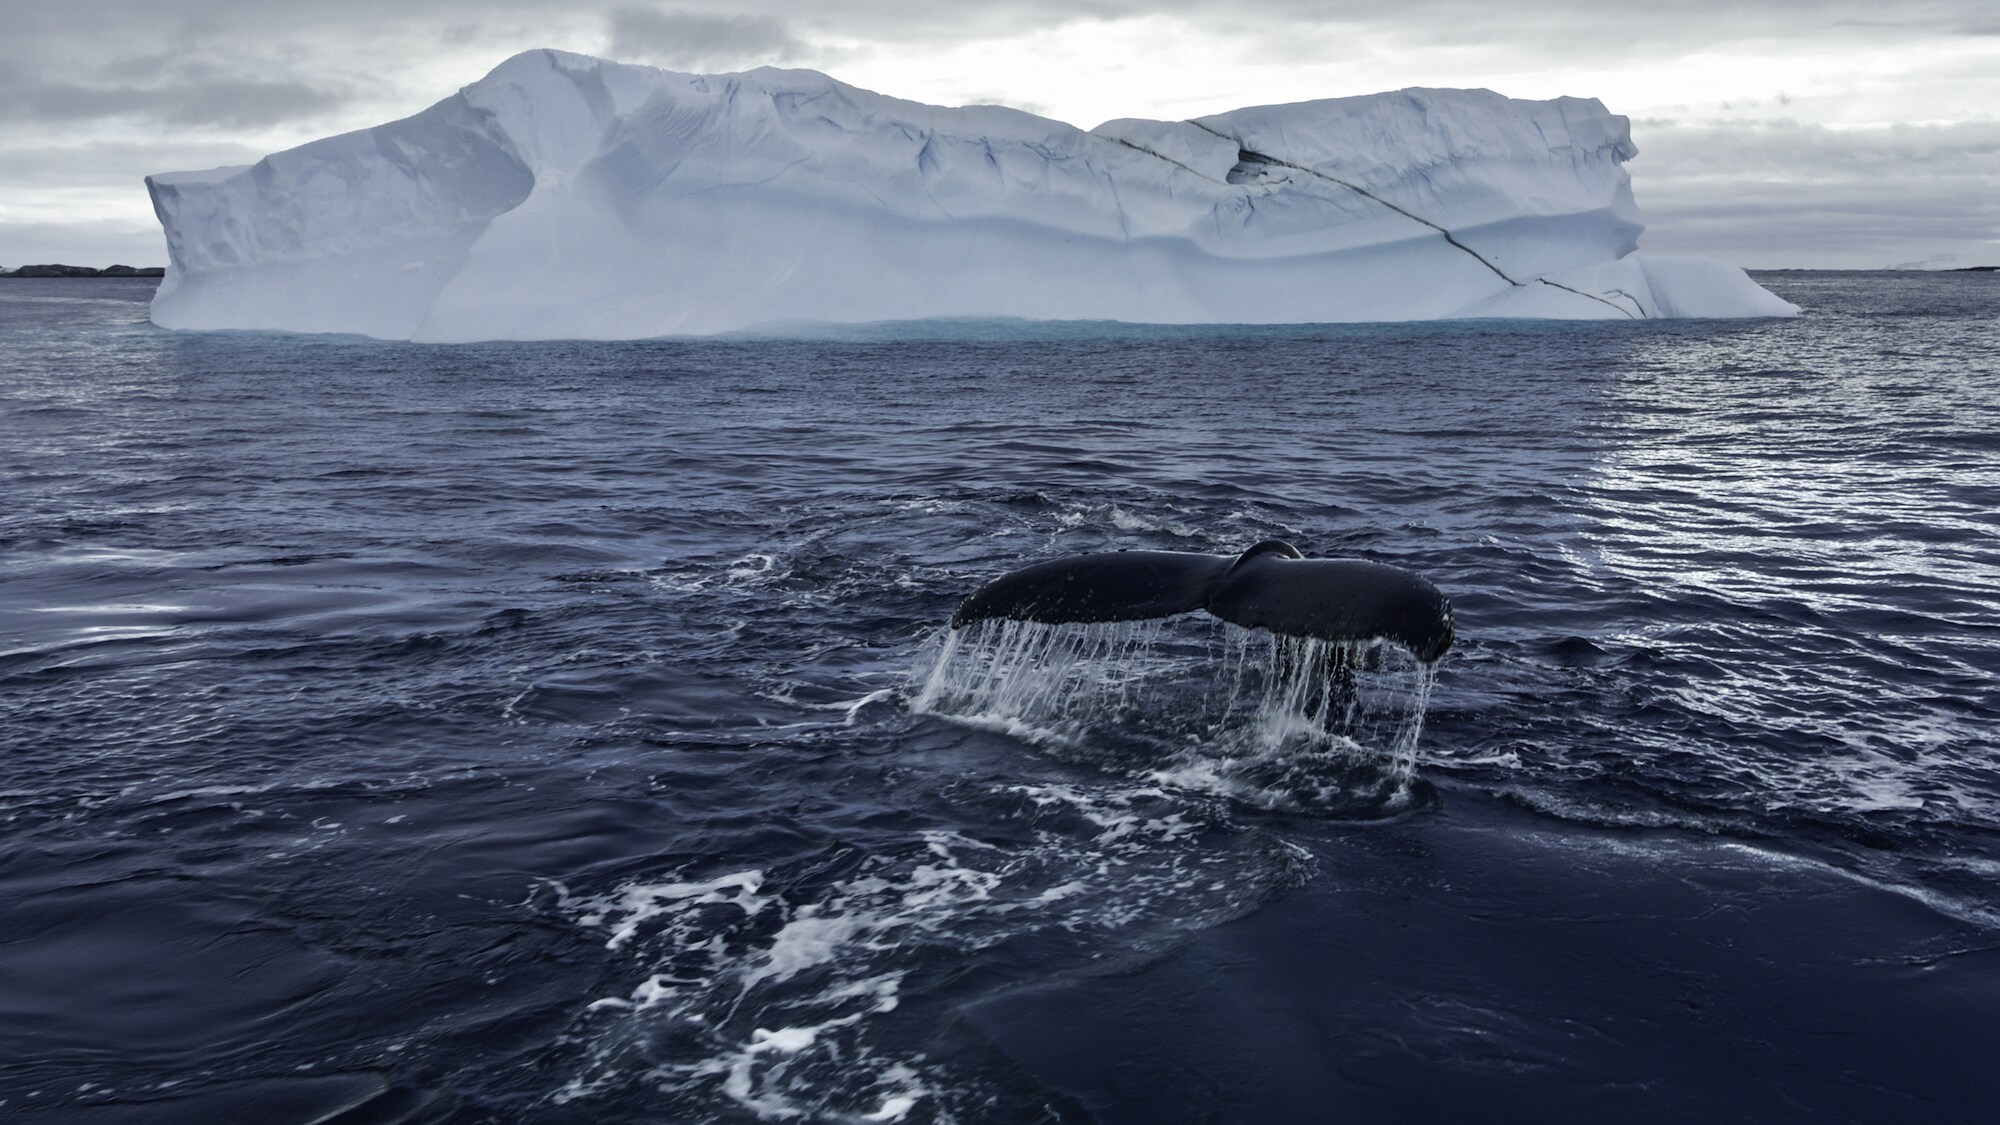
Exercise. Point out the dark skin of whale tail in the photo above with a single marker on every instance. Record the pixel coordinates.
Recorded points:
(1270, 586)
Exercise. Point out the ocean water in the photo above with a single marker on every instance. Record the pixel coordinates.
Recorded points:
(568, 732)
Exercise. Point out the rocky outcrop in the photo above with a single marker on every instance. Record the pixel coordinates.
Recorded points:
(59, 270)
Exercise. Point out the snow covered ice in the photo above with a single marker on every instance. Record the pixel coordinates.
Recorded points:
(563, 196)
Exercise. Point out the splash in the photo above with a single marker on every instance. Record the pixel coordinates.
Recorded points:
(1279, 721)
(811, 989)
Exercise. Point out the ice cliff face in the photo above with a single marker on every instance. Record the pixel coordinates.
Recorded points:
(564, 196)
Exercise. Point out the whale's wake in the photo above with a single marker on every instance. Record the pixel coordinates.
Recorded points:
(1277, 721)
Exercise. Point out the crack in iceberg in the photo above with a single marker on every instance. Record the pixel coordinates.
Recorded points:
(1601, 300)
(1249, 157)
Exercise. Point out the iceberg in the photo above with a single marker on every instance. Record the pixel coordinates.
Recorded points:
(563, 196)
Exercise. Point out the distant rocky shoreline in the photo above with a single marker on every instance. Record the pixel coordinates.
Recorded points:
(57, 270)
(60, 270)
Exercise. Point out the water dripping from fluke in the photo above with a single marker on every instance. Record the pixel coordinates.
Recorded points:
(1285, 723)
(1301, 687)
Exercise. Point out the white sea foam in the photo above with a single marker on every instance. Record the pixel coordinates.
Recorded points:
(1111, 868)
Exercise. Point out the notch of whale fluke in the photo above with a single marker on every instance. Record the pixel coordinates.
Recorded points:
(1270, 586)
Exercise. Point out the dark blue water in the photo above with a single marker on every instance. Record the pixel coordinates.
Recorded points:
(524, 732)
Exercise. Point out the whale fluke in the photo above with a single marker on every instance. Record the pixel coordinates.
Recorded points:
(1270, 586)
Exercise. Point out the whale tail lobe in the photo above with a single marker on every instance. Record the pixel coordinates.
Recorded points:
(1269, 587)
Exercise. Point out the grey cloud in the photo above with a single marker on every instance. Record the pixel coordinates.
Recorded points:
(158, 80)
(223, 102)
(82, 244)
(1784, 193)
(1553, 28)
(1765, 229)
(704, 32)
(1802, 153)
(43, 167)
(693, 40)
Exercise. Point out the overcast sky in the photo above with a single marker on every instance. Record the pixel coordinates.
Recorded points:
(1771, 133)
